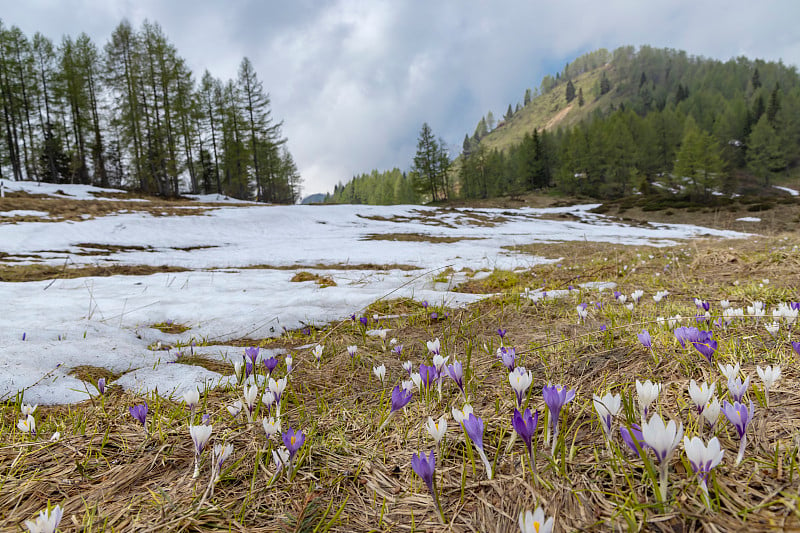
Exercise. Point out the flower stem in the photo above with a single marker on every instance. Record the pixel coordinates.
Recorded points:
(662, 486)
(486, 462)
(742, 446)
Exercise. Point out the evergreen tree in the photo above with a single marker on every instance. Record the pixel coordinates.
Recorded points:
(765, 155)
(580, 97)
(527, 99)
(570, 91)
(427, 165)
(509, 113)
(605, 84)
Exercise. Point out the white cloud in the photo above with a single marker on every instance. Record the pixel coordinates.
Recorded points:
(354, 81)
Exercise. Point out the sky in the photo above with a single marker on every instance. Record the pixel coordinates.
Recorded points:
(353, 81)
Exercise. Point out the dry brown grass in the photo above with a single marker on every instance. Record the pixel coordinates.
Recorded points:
(415, 237)
(322, 281)
(39, 272)
(59, 209)
(106, 468)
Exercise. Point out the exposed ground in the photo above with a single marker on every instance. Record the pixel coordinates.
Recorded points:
(110, 475)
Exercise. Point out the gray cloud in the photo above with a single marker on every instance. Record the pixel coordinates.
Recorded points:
(354, 80)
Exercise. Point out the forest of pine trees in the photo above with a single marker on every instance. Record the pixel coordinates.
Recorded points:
(663, 122)
(131, 115)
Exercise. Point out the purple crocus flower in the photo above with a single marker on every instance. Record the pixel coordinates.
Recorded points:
(740, 416)
(364, 321)
(644, 338)
(473, 425)
(248, 369)
(704, 344)
(628, 436)
(139, 412)
(456, 372)
(617, 294)
(525, 426)
(737, 388)
(556, 397)
(24, 335)
(501, 332)
(293, 441)
(101, 385)
(270, 364)
(796, 347)
(206, 420)
(398, 349)
(434, 316)
(424, 468)
(424, 304)
(252, 353)
(400, 398)
(509, 357)
(794, 305)
(684, 334)
(427, 374)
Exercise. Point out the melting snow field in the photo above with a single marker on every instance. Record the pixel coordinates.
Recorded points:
(105, 321)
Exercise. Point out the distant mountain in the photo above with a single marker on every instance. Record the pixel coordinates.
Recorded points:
(652, 121)
(313, 199)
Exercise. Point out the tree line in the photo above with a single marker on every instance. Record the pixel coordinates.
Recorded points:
(131, 115)
(661, 122)
(675, 124)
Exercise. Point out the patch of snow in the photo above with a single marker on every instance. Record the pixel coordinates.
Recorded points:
(24, 213)
(793, 192)
(105, 321)
(749, 219)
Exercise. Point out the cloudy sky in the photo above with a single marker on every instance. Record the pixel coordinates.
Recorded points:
(353, 81)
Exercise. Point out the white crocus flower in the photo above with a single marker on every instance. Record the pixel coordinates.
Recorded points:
(648, 393)
(711, 411)
(250, 399)
(769, 375)
(46, 522)
(662, 439)
(238, 369)
(55, 436)
(437, 429)
(607, 408)
(220, 455)
(27, 409)
(380, 372)
(703, 458)
(271, 426)
(236, 408)
(416, 379)
(724, 304)
(460, 414)
(408, 385)
(191, 398)
(317, 351)
(434, 346)
(535, 522)
(27, 425)
(729, 371)
(277, 387)
(352, 350)
(700, 394)
(773, 328)
(637, 295)
(520, 380)
(200, 436)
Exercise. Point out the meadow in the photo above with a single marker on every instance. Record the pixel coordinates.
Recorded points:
(322, 427)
